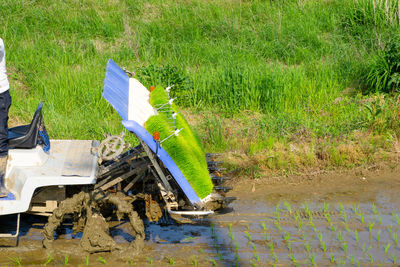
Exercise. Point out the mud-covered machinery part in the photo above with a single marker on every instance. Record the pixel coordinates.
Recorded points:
(153, 209)
(73, 205)
(95, 231)
(124, 207)
(218, 199)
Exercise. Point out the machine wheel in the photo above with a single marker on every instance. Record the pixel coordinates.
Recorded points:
(87, 211)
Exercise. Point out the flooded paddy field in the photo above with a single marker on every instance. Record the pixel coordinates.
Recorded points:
(323, 220)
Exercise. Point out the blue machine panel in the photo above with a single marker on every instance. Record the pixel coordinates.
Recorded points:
(116, 88)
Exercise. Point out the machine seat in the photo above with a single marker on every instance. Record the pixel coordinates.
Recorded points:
(26, 136)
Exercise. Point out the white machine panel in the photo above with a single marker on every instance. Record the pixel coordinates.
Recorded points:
(70, 162)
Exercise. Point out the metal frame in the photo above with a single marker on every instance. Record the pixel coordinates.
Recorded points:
(16, 233)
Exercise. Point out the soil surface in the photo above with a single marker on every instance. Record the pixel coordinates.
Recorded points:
(325, 219)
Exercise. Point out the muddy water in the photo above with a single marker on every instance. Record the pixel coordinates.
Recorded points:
(343, 219)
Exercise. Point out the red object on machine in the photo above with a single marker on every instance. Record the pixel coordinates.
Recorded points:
(152, 88)
(156, 136)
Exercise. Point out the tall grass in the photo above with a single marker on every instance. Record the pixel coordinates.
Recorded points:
(288, 60)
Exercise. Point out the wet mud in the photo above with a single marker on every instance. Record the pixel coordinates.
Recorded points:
(346, 219)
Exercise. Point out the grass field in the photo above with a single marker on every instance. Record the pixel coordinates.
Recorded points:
(260, 74)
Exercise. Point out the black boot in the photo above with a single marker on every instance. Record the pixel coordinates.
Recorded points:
(3, 166)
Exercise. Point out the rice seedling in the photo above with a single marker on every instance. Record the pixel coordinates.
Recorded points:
(332, 258)
(286, 236)
(333, 227)
(102, 260)
(379, 217)
(288, 207)
(396, 216)
(361, 217)
(66, 260)
(189, 238)
(387, 249)
(237, 259)
(345, 248)
(87, 261)
(319, 236)
(277, 216)
(312, 259)
(230, 227)
(297, 216)
(356, 236)
(394, 258)
(49, 259)
(390, 228)
(232, 236)
(213, 262)
(313, 227)
(370, 225)
(307, 208)
(326, 207)
(328, 217)
(304, 237)
(236, 247)
(344, 217)
(216, 246)
(395, 239)
(324, 249)
(352, 259)
(308, 247)
(150, 261)
(310, 217)
(289, 246)
(271, 247)
(299, 225)
(355, 209)
(341, 209)
(371, 259)
(264, 227)
(278, 225)
(248, 236)
(254, 247)
(130, 262)
(339, 237)
(194, 261)
(15, 260)
(257, 257)
(358, 263)
(292, 258)
(267, 237)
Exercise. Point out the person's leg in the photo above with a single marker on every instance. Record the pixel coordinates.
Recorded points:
(5, 103)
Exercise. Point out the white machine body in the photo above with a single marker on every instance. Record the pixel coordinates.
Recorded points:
(70, 162)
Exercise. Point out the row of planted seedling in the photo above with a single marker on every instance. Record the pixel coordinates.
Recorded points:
(333, 237)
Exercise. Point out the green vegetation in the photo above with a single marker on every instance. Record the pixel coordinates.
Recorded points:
(185, 149)
(313, 83)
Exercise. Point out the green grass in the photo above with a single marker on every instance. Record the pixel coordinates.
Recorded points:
(185, 149)
(300, 66)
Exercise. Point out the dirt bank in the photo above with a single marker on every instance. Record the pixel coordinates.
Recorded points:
(361, 184)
